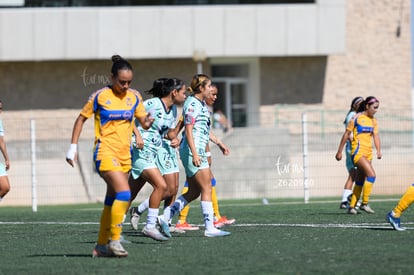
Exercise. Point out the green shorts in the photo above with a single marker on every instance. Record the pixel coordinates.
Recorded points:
(3, 171)
(142, 159)
(187, 160)
(167, 160)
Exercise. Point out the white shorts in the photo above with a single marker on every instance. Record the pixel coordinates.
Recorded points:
(3, 171)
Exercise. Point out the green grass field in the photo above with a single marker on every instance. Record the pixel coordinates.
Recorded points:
(283, 237)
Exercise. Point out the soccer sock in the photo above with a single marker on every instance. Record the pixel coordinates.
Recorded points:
(346, 194)
(208, 214)
(105, 224)
(143, 206)
(152, 217)
(173, 210)
(119, 207)
(184, 212)
(214, 199)
(367, 189)
(406, 200)
(356, 193)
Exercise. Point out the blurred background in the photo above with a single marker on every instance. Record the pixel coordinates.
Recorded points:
(286, 73)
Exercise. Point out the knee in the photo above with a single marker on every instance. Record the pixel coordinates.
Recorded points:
(123, 195)
(4, 188)
(170, 191)
(207, 189)
(162, 187)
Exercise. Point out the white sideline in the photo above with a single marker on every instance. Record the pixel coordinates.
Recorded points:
(327, 225)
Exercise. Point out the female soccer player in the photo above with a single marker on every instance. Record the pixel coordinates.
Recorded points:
(145, 164)
(393, 217)
(364, 129)
(193, 155)
(4, 179)
(219, 221)
(350, 167)
(114, 108)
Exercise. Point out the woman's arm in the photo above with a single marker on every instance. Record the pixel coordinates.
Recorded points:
(72, 155)
(344, 139)
(224, 149)
(377, 144)
(139, 142)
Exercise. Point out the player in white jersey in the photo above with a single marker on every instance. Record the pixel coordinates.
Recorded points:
(167, 93)
(193, 155)
(350, 167)
(219, 220)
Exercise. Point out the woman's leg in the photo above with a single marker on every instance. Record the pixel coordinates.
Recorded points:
(4, 186)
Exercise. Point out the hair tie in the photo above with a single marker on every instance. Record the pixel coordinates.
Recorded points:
(373, 100)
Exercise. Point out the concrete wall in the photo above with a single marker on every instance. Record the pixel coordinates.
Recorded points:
(172, 31)
(376, 61)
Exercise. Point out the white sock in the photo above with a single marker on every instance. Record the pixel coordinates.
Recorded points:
(152, 217)
(346, 194)
(178, 205)
(208, 214)
(143, 206)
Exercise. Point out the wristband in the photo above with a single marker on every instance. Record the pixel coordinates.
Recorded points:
(72, 151)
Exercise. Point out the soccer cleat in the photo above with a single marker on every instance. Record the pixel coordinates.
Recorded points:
(174, 229)
(343, 205)
(223, 221)
(186, 226)
(117, 249)
(352, 211)
(101, 250)
(366, 208)
(154, 233)
(216, 233)
(165, 229)
(134, 217)
(395, 222)
(123, 240)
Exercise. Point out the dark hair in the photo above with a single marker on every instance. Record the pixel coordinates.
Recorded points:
(368, 101)
(174, 84)
(118, 63)
(356, 102)
(162, 87)
(158, 87)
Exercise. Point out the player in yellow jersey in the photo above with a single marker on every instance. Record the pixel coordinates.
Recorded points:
(114, 108)
(406, 200)
(350, 167)
(364, 129)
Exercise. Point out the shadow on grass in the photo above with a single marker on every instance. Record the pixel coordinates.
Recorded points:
(61, 255)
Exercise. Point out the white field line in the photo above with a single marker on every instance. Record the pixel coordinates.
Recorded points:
(229, 204)
(327, 225)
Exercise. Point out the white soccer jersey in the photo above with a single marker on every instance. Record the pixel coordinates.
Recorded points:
(163, 121)
(196, 112)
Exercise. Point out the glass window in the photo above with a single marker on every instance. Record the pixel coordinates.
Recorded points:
(237, 70)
